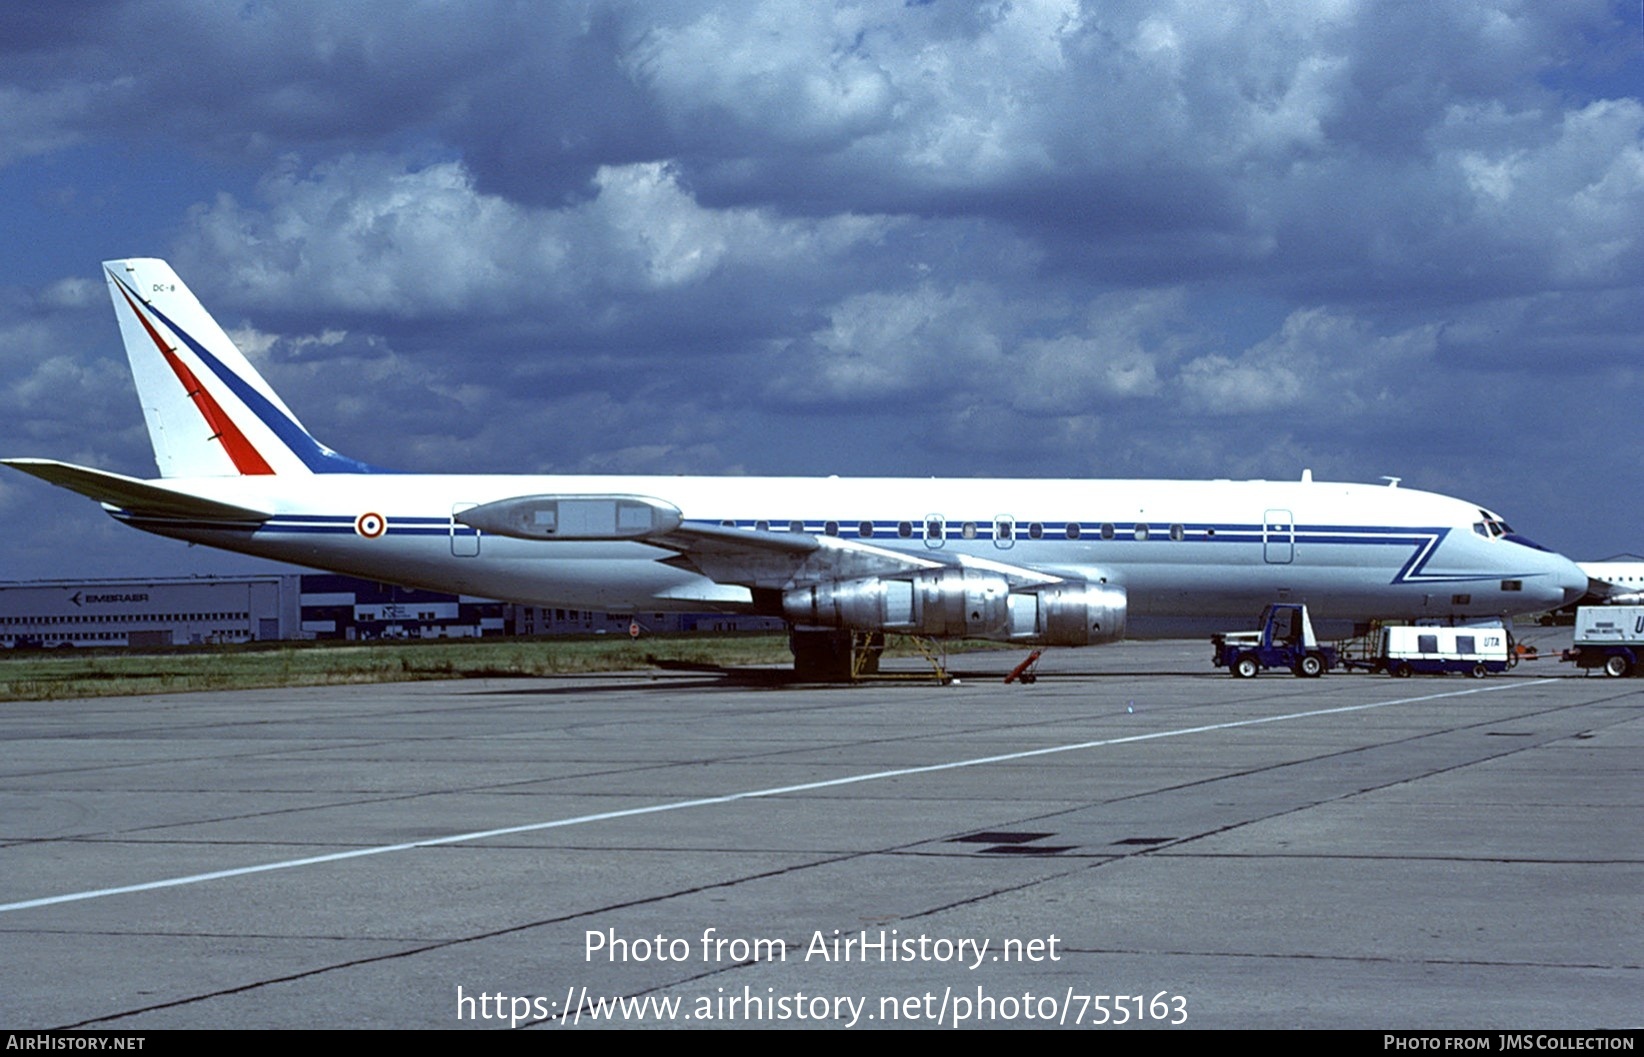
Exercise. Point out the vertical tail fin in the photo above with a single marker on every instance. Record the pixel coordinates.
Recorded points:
(209, 413)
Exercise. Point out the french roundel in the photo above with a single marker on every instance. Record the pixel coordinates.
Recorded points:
(370, 525)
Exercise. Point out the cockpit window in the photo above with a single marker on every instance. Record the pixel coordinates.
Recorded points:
(1491, 527)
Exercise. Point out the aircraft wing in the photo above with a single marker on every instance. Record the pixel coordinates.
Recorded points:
(1610, 593)
(780, 559)
(141, 499)
(746, 557)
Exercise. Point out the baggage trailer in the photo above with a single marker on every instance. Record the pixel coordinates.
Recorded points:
(1610, 638)
(1406, 650)
(1285, 640)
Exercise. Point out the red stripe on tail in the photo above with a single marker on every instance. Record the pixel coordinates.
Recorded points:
(247, 460)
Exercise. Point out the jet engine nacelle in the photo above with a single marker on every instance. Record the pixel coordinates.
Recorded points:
(964, 603)
(1080, 614)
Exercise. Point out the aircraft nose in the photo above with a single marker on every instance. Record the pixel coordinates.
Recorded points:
(1572, 581)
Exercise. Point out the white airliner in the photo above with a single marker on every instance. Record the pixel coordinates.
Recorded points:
(1617, 581)
(1057, 562)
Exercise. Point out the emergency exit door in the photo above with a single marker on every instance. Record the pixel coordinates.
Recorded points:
(465, 541)
(1278, 537)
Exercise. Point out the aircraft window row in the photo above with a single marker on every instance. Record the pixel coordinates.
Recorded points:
(1004, 529)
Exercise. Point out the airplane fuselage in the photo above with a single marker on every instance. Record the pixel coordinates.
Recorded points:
(1189, 555)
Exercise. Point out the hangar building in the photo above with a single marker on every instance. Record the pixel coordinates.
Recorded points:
(155, 612)
(182, 611)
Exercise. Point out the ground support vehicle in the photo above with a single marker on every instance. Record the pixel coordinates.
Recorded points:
(1609, 638)
(1404, 650)
(1285, 640)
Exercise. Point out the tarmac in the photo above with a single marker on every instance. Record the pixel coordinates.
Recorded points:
(1135, 840)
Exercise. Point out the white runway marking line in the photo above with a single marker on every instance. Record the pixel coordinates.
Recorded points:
(752, 794)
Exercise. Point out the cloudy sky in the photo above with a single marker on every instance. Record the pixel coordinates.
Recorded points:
(1140, 238)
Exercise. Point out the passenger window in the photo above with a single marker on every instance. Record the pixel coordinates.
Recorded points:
(1141, 531)
(865, 530)
(831, 528)
(1036, 530)
(1177, 532)
(1073, 530)
(796, 526)
(904, 529)
(968, 530)
(1107, 530)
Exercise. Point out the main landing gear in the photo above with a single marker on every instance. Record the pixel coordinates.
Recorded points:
(831, 655)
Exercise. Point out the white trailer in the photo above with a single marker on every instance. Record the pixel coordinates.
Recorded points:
(1608, 637)
(1478, 651)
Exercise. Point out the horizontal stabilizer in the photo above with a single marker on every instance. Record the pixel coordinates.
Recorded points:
(139, 498)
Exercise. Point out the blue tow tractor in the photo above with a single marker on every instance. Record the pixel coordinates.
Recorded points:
(1286, 640)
